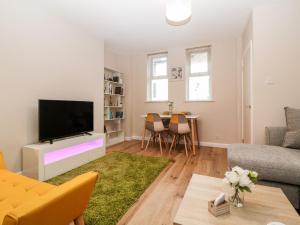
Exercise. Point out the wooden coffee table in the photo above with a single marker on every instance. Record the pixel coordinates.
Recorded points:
(264, 205)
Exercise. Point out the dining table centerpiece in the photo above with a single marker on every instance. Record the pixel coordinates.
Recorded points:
(171, 107)
(240, 181)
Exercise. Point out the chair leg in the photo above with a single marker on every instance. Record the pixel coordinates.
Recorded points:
(165, 139)
(148, 142)
(189, 142)
(152, 139)
(186, 152)
(174, 137)
(79, 221)
(159, 137)
(176, 141)
(191, 139)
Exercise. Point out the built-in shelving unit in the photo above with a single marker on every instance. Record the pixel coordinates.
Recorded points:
(114, 112)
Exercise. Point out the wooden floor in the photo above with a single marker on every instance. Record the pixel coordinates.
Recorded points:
(159, 203)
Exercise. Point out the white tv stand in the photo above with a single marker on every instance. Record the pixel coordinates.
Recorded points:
(43, 161)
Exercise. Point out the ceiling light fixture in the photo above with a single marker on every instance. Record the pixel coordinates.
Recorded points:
(178, 12)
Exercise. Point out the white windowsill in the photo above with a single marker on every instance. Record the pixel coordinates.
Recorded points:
(208, 100)
(166, 101)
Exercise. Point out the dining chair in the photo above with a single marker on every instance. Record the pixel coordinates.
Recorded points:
(155, 125)
(179, 127)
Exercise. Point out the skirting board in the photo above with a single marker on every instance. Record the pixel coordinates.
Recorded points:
(203, 143)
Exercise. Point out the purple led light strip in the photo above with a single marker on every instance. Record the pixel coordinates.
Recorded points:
(59, 154)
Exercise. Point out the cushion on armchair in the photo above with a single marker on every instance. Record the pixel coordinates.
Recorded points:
(2, 163)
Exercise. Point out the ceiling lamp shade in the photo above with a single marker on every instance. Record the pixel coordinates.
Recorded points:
(178, 12)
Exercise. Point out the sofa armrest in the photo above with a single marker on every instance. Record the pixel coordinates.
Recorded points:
(275, 135)
(2, 162)
(60, 206)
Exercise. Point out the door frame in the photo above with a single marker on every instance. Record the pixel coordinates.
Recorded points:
(248, 48)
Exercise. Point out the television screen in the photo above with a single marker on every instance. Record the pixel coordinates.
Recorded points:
(58, 119)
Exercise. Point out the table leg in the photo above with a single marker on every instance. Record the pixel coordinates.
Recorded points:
(196, 125)
(193, 136)
(143, 136)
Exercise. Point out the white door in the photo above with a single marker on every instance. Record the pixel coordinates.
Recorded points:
(247, 96)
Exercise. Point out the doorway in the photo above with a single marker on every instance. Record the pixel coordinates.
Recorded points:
(247, 106)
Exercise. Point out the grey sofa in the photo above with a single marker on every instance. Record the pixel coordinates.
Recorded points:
(276, 166)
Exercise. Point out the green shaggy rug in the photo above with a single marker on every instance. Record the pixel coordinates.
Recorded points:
(123, 179)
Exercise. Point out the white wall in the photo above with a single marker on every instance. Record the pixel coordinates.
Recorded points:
(218, 121)
(42, 56)
(276, 41)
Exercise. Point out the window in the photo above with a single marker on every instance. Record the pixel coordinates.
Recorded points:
(157, 77)
(199, 74)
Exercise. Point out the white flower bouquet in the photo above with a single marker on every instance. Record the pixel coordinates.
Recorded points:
(240, 180)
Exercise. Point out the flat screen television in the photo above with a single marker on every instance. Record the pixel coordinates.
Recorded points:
(60, 119)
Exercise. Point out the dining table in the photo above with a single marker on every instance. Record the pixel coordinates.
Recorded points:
(193, 120)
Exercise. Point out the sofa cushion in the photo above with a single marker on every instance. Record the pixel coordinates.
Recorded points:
(17, 190)
(271, 162)
(292, 118)
(292, 139)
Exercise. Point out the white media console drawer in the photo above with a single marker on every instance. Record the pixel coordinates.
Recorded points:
(43, 161)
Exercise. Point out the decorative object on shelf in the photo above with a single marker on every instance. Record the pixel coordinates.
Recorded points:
(171, 107)
(178, 12)
(110, 115)
(105, 131)
(119, 90)
(119, 114)
(116, 79)
(110, 77)
(176, 73)
(110, 89)
(240, 180)
(106, 76)
(110, 101)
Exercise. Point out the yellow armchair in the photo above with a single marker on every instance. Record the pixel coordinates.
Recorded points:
(2, 163)
(30, 202)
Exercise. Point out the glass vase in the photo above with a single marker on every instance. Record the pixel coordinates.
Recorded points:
(236, 198)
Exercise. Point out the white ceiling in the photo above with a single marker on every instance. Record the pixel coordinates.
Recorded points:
(140, 24)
